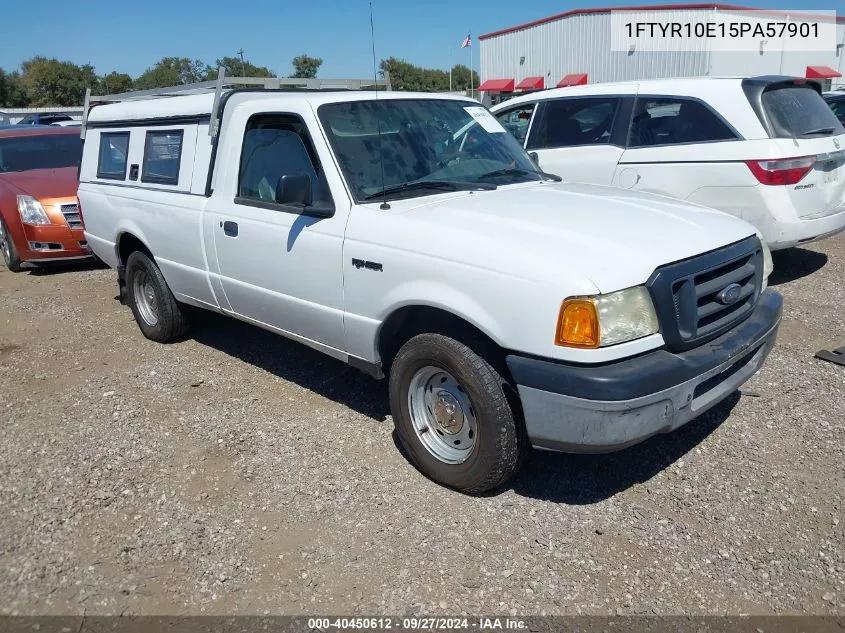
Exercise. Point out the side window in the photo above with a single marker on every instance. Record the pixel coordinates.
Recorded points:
(838, 108)
(572, 122)
(672, 121)
(277, 145)
(516, 120)
(111, 162)
(162, 155)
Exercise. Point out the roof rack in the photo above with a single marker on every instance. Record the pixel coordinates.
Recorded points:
(223, 83)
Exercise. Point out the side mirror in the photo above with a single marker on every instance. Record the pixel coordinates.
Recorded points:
(294, 189)
(534, 158)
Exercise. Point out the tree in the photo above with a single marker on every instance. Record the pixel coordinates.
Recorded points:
(405, 76)
(461, 78)
(172, 71)
(114, 83)
(234, 68)
(12, 93)
(49, 82)
(306, 67)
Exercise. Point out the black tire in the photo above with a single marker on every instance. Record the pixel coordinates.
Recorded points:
(10, 253)
(171, 321)
(500, 444)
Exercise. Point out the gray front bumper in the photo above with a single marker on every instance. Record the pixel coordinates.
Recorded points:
(566, 422)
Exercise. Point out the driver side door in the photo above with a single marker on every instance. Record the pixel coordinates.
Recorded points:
(278, 266)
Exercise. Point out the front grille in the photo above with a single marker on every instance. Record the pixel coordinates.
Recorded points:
(686, 293)
(72, 217)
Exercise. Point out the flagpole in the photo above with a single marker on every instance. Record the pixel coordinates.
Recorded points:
(471, 83)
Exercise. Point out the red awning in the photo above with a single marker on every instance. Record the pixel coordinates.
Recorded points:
(531, 83)
(496, 85)
(573, 79)
(821, 72)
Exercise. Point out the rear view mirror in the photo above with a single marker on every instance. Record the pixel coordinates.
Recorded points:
(294, 189)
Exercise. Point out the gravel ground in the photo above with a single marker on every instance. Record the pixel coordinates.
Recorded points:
(236, 472)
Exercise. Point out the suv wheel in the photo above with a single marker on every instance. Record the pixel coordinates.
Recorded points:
(452, 415)
(158, 314)
(7, 246)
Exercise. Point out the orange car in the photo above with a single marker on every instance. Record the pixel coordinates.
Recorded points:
(39, 213)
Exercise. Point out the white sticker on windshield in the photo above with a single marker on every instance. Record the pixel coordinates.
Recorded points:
(485, 119)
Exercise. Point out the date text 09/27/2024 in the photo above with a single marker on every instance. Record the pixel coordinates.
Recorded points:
(417, 624)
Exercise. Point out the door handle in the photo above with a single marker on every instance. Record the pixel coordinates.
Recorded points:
(230, 228)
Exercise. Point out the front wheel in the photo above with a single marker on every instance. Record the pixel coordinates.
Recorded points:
(452, 414)
(158, 314)
(7, 247)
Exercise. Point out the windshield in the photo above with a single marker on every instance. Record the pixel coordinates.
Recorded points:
(387, 144)
(44, 151)
(798, 111)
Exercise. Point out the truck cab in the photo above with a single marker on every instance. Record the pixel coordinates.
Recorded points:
(412, 237)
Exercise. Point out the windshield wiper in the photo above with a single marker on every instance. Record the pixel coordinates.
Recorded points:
(442, 185)
(512, 171)
(819, 130)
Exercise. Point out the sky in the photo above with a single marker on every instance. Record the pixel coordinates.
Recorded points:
(130, 37)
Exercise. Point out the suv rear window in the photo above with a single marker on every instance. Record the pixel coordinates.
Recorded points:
(675, 121)
(796, 111)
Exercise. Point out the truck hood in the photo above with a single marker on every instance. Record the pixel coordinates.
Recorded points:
(42, 184)
(542, 231)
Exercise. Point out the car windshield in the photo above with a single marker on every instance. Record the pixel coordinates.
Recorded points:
(397, 145)
(42, 151)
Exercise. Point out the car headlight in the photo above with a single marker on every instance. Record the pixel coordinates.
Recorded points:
(768, 264)
(31, 211)
(607, 319)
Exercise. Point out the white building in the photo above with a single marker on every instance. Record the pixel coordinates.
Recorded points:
(575, 48)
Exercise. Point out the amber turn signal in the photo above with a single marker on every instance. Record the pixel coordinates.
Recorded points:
(578, 324)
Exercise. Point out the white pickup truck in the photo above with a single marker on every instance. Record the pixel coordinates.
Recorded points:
(410, 236)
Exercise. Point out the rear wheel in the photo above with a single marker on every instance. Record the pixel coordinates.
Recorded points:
(7, 247)
(158, 314)
(452, 415)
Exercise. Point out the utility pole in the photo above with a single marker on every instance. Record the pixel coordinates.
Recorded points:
(243, 66)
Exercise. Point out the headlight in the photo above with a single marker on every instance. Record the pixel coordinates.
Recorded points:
(31, 211)
(768, 264)
(606, 319)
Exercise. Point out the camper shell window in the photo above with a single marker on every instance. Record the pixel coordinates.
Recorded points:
(114, 147)
(162, 155)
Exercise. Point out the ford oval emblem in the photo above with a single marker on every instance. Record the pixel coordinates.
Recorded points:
(729, 294)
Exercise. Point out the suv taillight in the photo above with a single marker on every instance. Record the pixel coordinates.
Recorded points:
(786, 171)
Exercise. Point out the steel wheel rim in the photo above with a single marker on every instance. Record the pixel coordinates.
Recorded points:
(4, 244)
(145, 298)
(442, 415)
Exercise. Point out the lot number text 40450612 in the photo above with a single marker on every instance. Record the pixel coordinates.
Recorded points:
(417, 624)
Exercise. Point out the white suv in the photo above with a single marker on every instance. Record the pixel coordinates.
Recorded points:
(411, 236)
(765, 149)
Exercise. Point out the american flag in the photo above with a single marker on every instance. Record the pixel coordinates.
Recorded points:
(467, 42)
